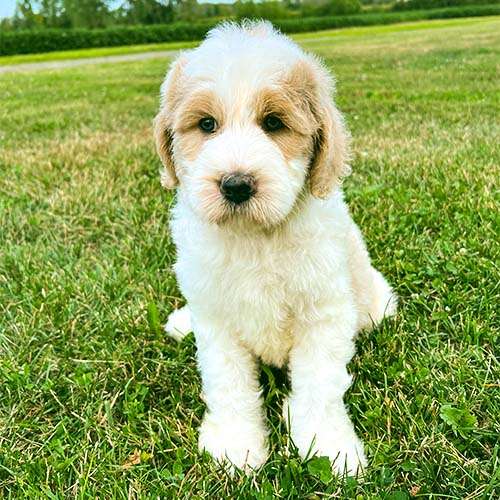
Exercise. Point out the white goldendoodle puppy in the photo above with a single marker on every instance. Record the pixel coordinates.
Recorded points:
(269, 259)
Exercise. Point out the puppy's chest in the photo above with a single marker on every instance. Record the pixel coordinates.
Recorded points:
(255, 292)
(254, 288)
(254, 280)
(264, 304)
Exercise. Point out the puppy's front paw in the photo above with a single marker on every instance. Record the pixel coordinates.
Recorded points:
(241, 443)
(339, 444)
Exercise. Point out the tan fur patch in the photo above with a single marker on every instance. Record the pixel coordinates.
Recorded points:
(330, 159)
(190, 142)
(293, 145)
(303, 101)
(162, 124)
(289, 102)
(196, 106)
(189, 138)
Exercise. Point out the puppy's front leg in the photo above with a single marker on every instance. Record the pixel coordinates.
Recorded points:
(233, 427)
(319, 422)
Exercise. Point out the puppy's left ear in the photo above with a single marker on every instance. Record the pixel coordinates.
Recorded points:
(163, 123)
(163, 139)
(330, 159)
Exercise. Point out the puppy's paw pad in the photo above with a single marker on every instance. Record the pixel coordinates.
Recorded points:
(179, 323)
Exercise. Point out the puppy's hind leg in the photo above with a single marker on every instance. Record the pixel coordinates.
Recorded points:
(374, 297)
(379, 302)
(384, 299)
(179, 323)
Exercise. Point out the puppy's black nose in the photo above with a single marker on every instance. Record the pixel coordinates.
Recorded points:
(237, 188)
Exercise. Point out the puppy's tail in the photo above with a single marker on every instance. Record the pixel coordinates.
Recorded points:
(179, 323)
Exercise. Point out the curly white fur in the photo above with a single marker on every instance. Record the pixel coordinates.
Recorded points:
(286, 279)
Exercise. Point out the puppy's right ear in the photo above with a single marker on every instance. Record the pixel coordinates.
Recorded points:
(163, 123)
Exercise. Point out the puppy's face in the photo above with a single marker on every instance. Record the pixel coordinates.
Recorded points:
(241, 141)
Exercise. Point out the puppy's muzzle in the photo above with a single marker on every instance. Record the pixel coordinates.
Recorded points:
(237, 188)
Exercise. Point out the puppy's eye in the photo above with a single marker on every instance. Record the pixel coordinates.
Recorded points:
(208, 124)
(272, 123)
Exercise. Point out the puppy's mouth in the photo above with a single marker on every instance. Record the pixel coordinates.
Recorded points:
(239, 199)
(256, 210)
(259, 210)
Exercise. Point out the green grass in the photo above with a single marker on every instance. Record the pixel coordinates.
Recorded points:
(94, 52)
(364, 31)
(96, 402)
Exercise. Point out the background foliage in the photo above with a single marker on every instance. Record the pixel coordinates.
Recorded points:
(40, 14)
(47, 40)
(432, 4)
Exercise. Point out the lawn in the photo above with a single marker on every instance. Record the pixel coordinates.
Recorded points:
(96, 402)
(93, 52)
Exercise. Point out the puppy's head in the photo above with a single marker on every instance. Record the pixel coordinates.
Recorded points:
(247, 124)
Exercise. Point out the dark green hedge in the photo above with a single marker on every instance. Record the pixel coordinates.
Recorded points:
(436, 4)
(49, 40)
(320, 23)
(26, 42)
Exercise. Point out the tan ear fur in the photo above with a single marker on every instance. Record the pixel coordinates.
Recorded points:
(330, 159)
(163, 122)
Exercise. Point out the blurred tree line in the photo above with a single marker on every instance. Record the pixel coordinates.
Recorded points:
(39, 14)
